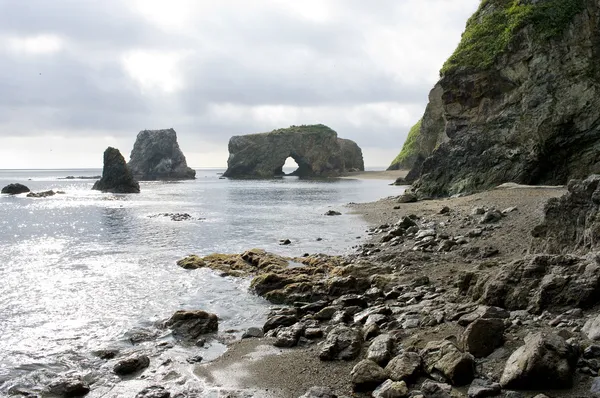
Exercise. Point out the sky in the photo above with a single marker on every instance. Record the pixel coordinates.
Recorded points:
(77, 76)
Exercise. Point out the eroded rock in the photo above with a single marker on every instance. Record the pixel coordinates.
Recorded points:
(190, 325)
(116, 176)
(367, 375)
(442, 358)
(15, 189)
(342, 343)
(131, 364)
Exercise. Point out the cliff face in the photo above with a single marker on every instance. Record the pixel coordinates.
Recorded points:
(156, 156)
(519, 99)
(316, 149)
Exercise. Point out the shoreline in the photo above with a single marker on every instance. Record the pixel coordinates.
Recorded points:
(391, 175)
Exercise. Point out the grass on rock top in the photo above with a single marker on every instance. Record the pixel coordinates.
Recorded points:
(492, 28)
(410, 145)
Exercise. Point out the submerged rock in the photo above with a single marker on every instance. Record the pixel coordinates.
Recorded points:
(43, 194)
(69, 387)
(116, 177)
(156, 156)
(316, 149)
(131, 364)
(15, 189)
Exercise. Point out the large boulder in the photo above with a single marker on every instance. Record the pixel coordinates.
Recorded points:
(404, 367)
(571, 222)
(443, 360)
(367, 375)
(483, 336)
(316, 149)
(519, 100)
(192, 324)
(116, 176)
(540, 282)
(546, 361)
(342, 343)
(15, 189)
(156, 156)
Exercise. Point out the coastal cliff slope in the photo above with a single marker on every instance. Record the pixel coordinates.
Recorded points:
(518, 101)
(156, 156)
(315, 148)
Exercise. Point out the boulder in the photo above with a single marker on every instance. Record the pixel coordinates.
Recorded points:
(342, 343)
(405, 366)
(516, 101)
(156, 156)
(432, 389)
(316, 149)
(320, 392)
(253, 333)
(153, 392)
(276, 321)
(15, 189)
(443, 359)
(380, 350)
(483, 336)
(391, 389)
(69, 387)
(116, 176)
(482, 388)
(288, 337)
(592, 328)
(367, 375)
(190, 325)
(546, 361)
(541, 282)
(131, 364)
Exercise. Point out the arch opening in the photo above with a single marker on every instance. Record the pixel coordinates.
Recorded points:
(290, 167)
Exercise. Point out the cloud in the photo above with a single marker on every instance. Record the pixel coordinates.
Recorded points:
(92, 70)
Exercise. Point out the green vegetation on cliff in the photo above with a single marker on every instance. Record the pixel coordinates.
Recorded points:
(410, 147)
(305, 128)
(492, 28)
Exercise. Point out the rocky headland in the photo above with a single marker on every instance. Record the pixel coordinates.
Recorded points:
(116, 176)
(156, 156)
(315, 148)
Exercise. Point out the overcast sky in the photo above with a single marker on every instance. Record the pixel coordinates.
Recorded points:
(79, 75)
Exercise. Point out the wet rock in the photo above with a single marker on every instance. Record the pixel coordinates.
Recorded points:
(106, 353)
(482, 388)
(192, 324)
(391, 389)
(540, 282)
(380, 350)
(69, 387)
(367, 375)
(333, 213)
(483, 336)
(442, 358)
(131, 364)
(139, 335)
(253, 333)
(156, 156)
(320, 392)
(491, 216)
(405, 366)
(432, 389)
(15, 189)
(43, 194)
(546, 361)
(343, 343)
(116, 176)
(195, 359)
(153, 392)
(592, 328)
(285, 242)
(279, 321)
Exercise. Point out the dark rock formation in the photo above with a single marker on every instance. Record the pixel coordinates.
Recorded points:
(519, 100)
(156, 156)
(442, 358)
(15, 189)
(571, 222)
(190, 325)
(43, 194)
(69, 387)
(116, 177)
(316, 149)
(131, 364)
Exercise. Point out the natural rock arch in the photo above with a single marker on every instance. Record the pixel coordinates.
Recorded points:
(316, 149)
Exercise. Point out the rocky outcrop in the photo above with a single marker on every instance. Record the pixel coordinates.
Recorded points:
(15, 189)
(520, 99)
(571, 222)
(116, 176)
(156, 156)
(424, 137)
(190, 325)
(316, 149)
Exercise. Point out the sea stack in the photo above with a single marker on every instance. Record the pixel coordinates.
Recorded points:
(315, 148)
(518, 101)
(156, 156)
(116, 176)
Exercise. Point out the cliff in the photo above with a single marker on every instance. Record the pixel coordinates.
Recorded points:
(519, 100)
(156, 156)
(316, 149)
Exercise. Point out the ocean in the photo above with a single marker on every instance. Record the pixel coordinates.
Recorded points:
(85, 270)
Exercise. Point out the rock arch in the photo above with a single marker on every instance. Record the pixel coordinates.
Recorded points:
(316, 149)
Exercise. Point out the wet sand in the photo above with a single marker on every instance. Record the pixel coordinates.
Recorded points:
(391, 175)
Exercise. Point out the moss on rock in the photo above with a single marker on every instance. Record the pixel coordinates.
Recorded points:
(409, 149)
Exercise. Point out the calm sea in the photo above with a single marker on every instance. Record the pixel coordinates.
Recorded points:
(81, 271)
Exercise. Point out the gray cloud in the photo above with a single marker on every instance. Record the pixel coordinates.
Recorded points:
(242, 68)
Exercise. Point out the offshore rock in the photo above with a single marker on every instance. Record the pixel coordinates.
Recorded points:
(156, 156)
(519, 100)
(15, 189)
(116, 176)
(316, 149)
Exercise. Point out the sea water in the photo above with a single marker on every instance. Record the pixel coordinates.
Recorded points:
(85, 270)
